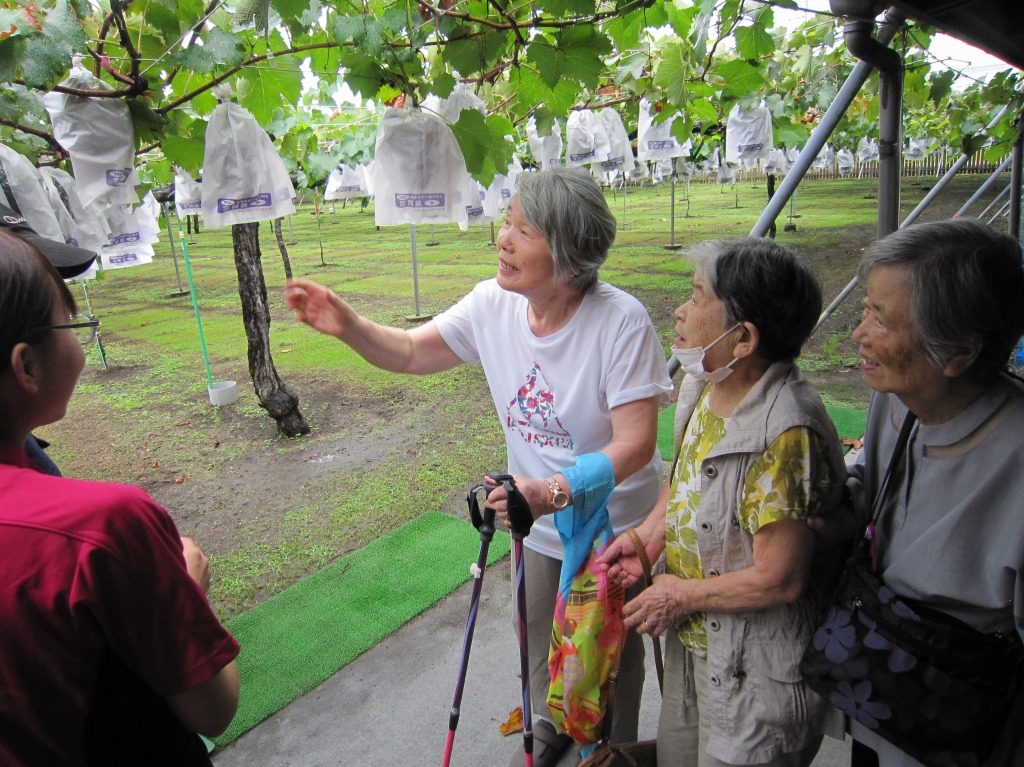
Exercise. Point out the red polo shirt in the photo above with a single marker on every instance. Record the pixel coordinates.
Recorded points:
(92, 578)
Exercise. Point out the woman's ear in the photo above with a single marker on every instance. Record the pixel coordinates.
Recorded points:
(960, 362)
(748, 341)
(26, 367)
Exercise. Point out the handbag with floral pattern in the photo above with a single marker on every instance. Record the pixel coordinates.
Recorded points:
(928, 683)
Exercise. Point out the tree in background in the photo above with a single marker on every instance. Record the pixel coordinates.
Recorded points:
(538, 59)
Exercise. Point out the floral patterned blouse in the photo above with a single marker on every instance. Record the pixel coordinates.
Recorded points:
(789, 481)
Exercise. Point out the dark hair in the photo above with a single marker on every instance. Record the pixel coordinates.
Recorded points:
(29, 285)
(766, 284)
(567, 206)
(966, 287)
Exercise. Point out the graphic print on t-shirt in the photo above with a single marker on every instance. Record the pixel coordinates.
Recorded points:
(532, 414)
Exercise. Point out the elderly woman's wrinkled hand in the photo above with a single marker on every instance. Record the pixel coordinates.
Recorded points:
(658, 608)
(534, 491)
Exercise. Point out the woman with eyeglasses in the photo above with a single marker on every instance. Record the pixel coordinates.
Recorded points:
(109, 651)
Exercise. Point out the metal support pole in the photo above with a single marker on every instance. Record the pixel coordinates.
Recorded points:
(672, 244)
(997, 200)
(790, 226)
(890, 144)
(984, 187)
(174, 251)
(415, 279)
(415, 270)
(1015, 180)
(934, 191)
(622, 224)
(953, 170)
(99, 335)
(999, 213)
(820, 135)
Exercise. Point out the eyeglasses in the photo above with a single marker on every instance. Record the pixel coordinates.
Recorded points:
(85, 328)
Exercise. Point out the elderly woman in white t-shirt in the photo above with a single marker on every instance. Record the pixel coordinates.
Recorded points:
(574, 367)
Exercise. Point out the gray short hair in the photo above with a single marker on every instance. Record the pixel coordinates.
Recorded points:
(966, 286)
(764, 283)
(567, 206)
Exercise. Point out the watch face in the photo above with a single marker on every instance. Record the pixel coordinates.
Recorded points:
(559, 498)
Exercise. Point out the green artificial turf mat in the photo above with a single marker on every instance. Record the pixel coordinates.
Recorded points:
(302, 636)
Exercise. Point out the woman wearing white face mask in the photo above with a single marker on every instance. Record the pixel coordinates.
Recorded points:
(756, 455)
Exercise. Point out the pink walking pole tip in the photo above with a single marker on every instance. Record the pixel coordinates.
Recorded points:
(449, 741)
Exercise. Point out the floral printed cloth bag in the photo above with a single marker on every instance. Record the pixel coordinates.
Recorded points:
(586, 639)
(928, 683)
(587, 631)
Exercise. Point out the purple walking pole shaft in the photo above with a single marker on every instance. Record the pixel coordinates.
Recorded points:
(486, 534)
(524, 655)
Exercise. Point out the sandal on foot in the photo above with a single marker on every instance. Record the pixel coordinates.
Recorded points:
(548, 746)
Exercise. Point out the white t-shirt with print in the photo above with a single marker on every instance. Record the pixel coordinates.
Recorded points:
(554, 395)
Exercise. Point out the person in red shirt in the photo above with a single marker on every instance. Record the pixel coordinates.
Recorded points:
(110, 653)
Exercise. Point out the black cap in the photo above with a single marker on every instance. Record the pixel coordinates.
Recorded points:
(69, 260)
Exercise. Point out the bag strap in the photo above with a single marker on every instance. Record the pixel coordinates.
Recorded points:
(659, 665)
(641, 553)
(877, 504)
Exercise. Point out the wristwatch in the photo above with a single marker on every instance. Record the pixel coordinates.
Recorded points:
(559, 498)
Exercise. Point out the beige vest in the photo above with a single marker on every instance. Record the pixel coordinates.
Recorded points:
(757, 706)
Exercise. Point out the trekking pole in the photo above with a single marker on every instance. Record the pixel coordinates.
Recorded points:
(524, 660)
(485, 525)
(520, 519)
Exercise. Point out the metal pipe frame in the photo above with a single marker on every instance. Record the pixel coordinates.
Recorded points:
(824, 129)
(984, 187)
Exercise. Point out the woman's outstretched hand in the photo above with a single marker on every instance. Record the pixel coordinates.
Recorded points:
(319, 307)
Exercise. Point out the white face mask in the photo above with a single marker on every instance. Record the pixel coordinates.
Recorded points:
(692, 361)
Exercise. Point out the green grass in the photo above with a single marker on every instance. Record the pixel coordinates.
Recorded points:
(151, 407)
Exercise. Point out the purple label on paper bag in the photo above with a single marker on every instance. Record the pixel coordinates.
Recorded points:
(123, 258)
(121, 239)
(660, 144)
(419, 200)
(118, 176)
(227, 204)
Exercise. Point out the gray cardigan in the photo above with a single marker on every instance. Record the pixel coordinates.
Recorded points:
(956, 535)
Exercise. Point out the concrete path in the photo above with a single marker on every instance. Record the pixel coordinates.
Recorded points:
(390, 706)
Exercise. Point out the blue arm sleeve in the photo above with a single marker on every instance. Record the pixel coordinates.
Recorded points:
(591, 480)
